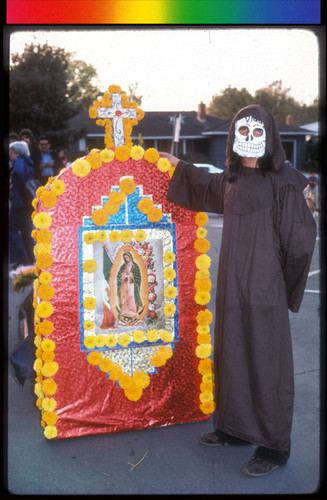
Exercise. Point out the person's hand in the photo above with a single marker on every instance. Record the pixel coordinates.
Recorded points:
(172, 159)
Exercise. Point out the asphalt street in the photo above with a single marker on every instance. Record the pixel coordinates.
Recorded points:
(169, 460)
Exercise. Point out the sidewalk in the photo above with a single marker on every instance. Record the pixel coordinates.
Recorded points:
(175, 462)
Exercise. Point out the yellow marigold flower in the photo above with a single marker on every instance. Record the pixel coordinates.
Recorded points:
(48, 356)
(44, 309)
(205, 397)
(170, 292)
(37, 365)
(206, 387)
(42, 220)
(140, 235)
(127, 235)
(202, 245)
(163, 164)
(94, 160)
(151, 155)
(169, 274)
(89, 266)
(49, 369)
(137, 152)
(89, 303)
(203, 329)
(114, 89)
(50, 432)
(133, 393)
(125, 381)
(81, 168)
(94, 358)
(138, 336)
(48, 345)
(39, 191)
(49, 404)
(34, 203)
(46, 327)
(50, 417)
(115, 372)
(39, 403)
(42, 248)
(208, 407)
(89, 341)
(49, 199)
(127, 185)
(88, 325)
(114, 236)
(45, 278)
(201, 232)
(158, 361)
(58, 187)
(100, 340)
(38, 390)
(171, 171)
(100, 217)
(145, 205)
(202, 285)
(165, 352)
(101, 236)
(202, 298)
(111, 340)
(205, 366)
(202, 274)
(44, 260)
(122, 153)
(152, 335)
(111, 208)
(106, 365)
(45, 292)
(203, 350)
(203, 338)
(154, 214)
(93, 112)
(89, 238)
(208, 378)
(204, 317)
(37, 341)
(169, 309)
(141, 379)
(49, 387)
(166, 336)
(107, 155)
(43, 235)
(124, 339)
(201, 219)
(203, 262)
(169, 257)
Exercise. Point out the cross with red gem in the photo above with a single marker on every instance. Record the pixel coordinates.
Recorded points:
(117, 113)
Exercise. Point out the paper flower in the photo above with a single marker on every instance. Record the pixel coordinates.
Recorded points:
(107, 155)
(127, 185)
(137, 152)
(106, 365)
(44, 309)
(89, 238)
(202, 245)
(101, 236)
(58, 187)
(114, 236)
(100, 217)
(202, 298)
(49, 199)
(45, 292)
(94, 358)
(133, 393)
(141, 379)
(145, 205)
(49, 369)
(169, 309)
(163, 164)
(201, 219)
(140, 235)
(154, 214)
(89, 266)
(203, 350)
(170, 292)
(50, 432)
(124, 339)
(89, 303)
(81, 168)
(169, 257)
(48, 345)
(122, 153)
(49, 387)
(204, 317)
(42, 220)
(151, 155)
(46, 327)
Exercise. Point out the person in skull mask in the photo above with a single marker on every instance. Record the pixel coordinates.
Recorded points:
(267, 244)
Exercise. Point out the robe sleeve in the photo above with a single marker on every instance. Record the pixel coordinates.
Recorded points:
(195, 189)
(297, 231)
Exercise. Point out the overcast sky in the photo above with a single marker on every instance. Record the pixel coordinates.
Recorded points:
(176, 69)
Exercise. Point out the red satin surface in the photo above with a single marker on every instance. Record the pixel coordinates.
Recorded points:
(87, 402)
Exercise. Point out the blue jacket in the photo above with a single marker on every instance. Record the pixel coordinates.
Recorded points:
(21, 171)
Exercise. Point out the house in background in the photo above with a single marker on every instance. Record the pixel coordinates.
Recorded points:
(202, 137)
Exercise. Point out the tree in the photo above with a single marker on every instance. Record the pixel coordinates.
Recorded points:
(131, 94)
(274, 97)
(47, 88)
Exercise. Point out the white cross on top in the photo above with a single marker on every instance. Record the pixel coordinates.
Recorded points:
(117, 113)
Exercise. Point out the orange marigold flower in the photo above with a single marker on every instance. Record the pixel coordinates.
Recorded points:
(94, 358)
(100, 217)
(50, 417)
(141, 379)
(202, 285)
(48, 356)
(115, 372)
(205, 366)
(122, 153)
(151, 155)
(204, 317)
(95, 160)
(106, 365)
(202, 245)
(93, 112)
(203, 350)
(48, 198)
(208, 407)
(201, 218)
(44, 260)
(49, 387)
(111, 208)
(145, 205)
(158, 361)
(154, 215)
(203, 338)
(127, 185)
(133, 393)
(125, 381)
(43, 236)
(46, 327)
(45, 292)
(114, 89)
(49, 369)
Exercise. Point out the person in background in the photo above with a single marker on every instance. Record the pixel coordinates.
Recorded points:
(311, 192)
(20, 224)
(62, 155)
(267, 243)
(50, 163)
(27, 135)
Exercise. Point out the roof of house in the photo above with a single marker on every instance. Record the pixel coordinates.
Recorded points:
(284, 129)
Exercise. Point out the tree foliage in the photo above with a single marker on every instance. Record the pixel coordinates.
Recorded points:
(47, 88)
(274, 97)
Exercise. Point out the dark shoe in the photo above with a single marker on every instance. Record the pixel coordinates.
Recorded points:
(257, 467)
(211, 439)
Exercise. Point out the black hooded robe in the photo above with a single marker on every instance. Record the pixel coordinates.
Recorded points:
(267, 244)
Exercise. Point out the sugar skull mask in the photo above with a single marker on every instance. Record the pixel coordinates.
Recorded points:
(250, 138)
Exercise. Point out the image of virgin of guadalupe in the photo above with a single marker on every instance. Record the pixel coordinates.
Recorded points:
(130, 305)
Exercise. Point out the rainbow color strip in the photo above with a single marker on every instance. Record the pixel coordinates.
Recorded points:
(163, 12)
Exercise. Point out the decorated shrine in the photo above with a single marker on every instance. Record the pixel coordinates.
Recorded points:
(122, 329)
